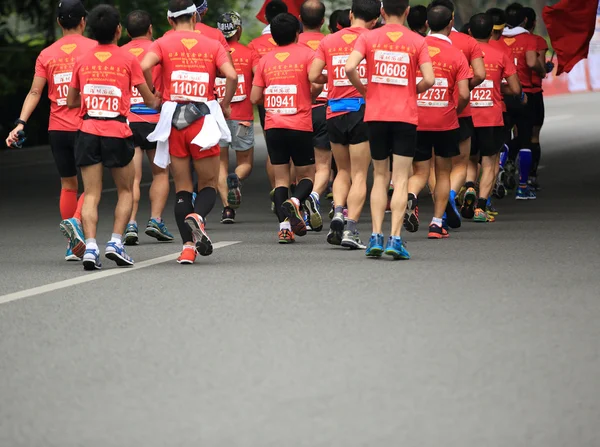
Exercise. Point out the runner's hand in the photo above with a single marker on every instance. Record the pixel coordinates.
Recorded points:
(13, 137)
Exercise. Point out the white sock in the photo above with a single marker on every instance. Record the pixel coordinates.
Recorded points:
(285, 225)
(116, 238)
(296, 201)
(90, 244)
(436, 221)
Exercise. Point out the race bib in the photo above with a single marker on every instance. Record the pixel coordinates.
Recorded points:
(189, 86)
(136, 98)
(340, 79)
(391, 67)
(481, 96)
(281, 99)
(436, 96)
(62, 81)
(102, 101)
(325, 92)
(240, 93)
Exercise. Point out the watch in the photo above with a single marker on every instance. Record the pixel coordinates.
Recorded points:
(20, 121)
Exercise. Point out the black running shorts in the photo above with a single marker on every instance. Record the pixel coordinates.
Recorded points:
(538, 110)
(445, 144)
(320, 134)
(286, 144)
(348, 128)
(520, 116)
(140, 135)
(62, 144)
(465, 128)
(487, 141)
(261, 115)
(111, 152)
(392, 138)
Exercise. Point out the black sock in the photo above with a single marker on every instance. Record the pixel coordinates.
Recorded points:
(303, 189)
(469, 185)
(513, 150)
(205, 201)
(281, 195)
(183, 207)
(536, 153)
(482, 203)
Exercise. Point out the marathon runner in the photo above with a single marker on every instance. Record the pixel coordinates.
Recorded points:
(205, 30)
(347, 130)
(393, 54)
(189, 66)
(54, 66)
(142, 121)
(417, 20)
(281, 84)
(241, 121)
(101, 89)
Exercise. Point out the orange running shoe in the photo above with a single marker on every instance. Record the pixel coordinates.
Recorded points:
(188, 255)
(286, 236)
(437, 232)
(203, 243)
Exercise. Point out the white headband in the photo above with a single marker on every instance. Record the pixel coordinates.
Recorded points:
(174, 15)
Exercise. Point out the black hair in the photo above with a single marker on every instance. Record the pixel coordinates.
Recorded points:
(333, 20)
(417, 18)
(103, 23)
(344, 18)
(395, 8)
(284, 29)
(515, 15)
(274, 8)
(447, 3)
(366, 10)
(70, 23)
(531, 17)
(138, 23)
(339, 19)
(180, 5)
(312, 13)
(498, 16)
(439, 17)
(481, 26)
(465, 29)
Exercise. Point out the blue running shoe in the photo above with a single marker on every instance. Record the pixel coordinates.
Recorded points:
(525, 193)
(131, 235)
(445, 223)
(117, 253)
(158, 230)
(453, 215)
(71, 229)
(91, 260)
(396, 248)
(69, 256)
(375, 246)
(313, 206)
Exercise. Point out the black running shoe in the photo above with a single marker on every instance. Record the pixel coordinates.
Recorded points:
(411, 216)
(228, 216)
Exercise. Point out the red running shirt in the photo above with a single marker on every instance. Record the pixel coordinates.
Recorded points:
(139, 48)
(284, 76)
(189, 65)
(486, 98)
(519, 46)
(243, 60)
(207, 31)
(437, 106)
(536, 79)
(55, 64)
(334, 51)
(263, 45)
(105, 77)
(393, 55)
(470, 48)
(312, 41)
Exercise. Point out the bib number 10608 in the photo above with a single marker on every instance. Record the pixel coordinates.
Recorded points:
(391, 67)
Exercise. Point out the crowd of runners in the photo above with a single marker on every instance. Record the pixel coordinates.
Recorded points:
(391, 87)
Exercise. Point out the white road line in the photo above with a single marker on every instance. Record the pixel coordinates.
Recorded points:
(550, 119)
(95, 276)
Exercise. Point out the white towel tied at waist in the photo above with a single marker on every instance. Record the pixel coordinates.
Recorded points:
(213, 130)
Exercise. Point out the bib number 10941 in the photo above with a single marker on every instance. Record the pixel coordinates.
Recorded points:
(281, 99)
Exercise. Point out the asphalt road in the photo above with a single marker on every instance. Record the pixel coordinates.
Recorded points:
(490, 338)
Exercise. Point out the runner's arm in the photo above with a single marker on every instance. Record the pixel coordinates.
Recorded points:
(352, 64)
(256, 95)
(73, 98)
(464, 95)
(150, 61)
(152, 100)
(315, 89)
(478, 72)
(231, 83)
(513, 86)
(316, 72)
(31, 101)
(534, 63)
(428, 77)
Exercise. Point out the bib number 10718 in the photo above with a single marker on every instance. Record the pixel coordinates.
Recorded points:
(102, 101)
(391, 67)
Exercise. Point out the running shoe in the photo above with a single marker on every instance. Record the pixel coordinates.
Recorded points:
(159, 231)
(131, 235)
(396, 248)
(491, 210)
(437, 232)
(352, 241)
(71, 229)
(525, 193)
(375, 246)
(510, 171)
(91, 260)
(332, 210)
(286, 236)
(306, 220)
(201, 240)
(460, 197)
(312, 206)
(452, 215)
(228, 216)
(272, 195)
(499, 188)
(116, 252)
(445, 223)
(194, 195)
(411, 216)
(333, 238)
(292, 212)
(69, 256)
(188, 255)
(468, 209)
(482, 217)
(533, 184)
(336, 230)
(234, 195)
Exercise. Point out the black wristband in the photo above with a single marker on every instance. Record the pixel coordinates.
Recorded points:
(20, 121)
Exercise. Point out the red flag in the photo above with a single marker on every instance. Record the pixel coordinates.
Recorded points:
(571, 25)
(293, 8)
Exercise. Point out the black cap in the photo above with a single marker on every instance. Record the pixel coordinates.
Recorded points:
(71, 8)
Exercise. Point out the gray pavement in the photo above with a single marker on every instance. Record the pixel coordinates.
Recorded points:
(490, 338)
